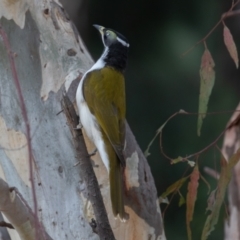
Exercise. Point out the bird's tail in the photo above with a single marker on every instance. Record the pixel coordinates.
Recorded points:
(116, 189)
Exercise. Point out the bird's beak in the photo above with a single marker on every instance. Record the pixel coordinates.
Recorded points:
(99, 28)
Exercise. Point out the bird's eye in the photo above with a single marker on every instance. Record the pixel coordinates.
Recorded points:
(107, 33)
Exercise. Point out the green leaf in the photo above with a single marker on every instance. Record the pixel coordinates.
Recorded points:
(174, 187)
(224, 179)
(181, 200)
(207, 76)
(177, 160)
(180, 159)
(211, 200)
(191, 163)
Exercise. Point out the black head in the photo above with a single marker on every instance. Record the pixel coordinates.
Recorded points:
(116, 48)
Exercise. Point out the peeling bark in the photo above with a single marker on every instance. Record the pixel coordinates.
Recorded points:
(50, 59)
(231, 144)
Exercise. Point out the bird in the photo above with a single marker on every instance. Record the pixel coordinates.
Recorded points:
(101, 104)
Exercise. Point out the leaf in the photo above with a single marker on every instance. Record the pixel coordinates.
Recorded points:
(230, 44)
(191, 198)
(207, 76)
(224, 179)
(211, 200)
(163, 200)
(180, 159)
(181, 200)
(191, 163)
(176, 160)
(174, 187)
(182, 111)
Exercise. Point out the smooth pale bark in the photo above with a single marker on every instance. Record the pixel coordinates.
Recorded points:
(50, 58)
(231, 144)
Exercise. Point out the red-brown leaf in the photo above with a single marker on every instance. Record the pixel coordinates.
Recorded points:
(191, 198)
(230, 44)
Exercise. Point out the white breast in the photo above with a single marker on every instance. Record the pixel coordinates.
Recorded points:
(88, 120)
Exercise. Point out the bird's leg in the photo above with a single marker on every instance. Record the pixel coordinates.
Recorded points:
(89, 155)
(93, 152)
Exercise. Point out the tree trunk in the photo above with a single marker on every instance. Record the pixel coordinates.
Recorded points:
(42, 56)
(231, 144)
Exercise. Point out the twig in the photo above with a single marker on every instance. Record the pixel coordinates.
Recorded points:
(225, 15)
(235, 122)
(87, 173)
(211, 172)
(19, 214)
(230, 14)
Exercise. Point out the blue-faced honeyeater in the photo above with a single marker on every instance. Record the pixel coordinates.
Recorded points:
(102, 108)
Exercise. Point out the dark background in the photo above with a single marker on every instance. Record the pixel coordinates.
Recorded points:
(160, 82)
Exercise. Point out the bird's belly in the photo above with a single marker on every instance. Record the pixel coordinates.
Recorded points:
(93, 132)
(88, 121)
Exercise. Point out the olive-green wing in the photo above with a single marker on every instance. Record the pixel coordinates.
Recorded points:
(104, 92)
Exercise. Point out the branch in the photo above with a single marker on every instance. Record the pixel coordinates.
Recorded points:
(225, 15)
(86, 171)
(19, 214)
(160, 133)
(231, 143)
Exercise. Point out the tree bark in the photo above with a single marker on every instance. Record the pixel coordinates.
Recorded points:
(42, 57)
(231, 144)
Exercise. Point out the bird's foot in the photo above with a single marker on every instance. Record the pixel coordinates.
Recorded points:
(93, 152)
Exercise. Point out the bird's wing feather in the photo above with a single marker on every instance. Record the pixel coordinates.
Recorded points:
(104, 92)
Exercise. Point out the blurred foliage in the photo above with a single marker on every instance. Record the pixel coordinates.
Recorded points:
(159, 82)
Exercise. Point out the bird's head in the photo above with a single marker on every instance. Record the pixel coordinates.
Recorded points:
(111, 37)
